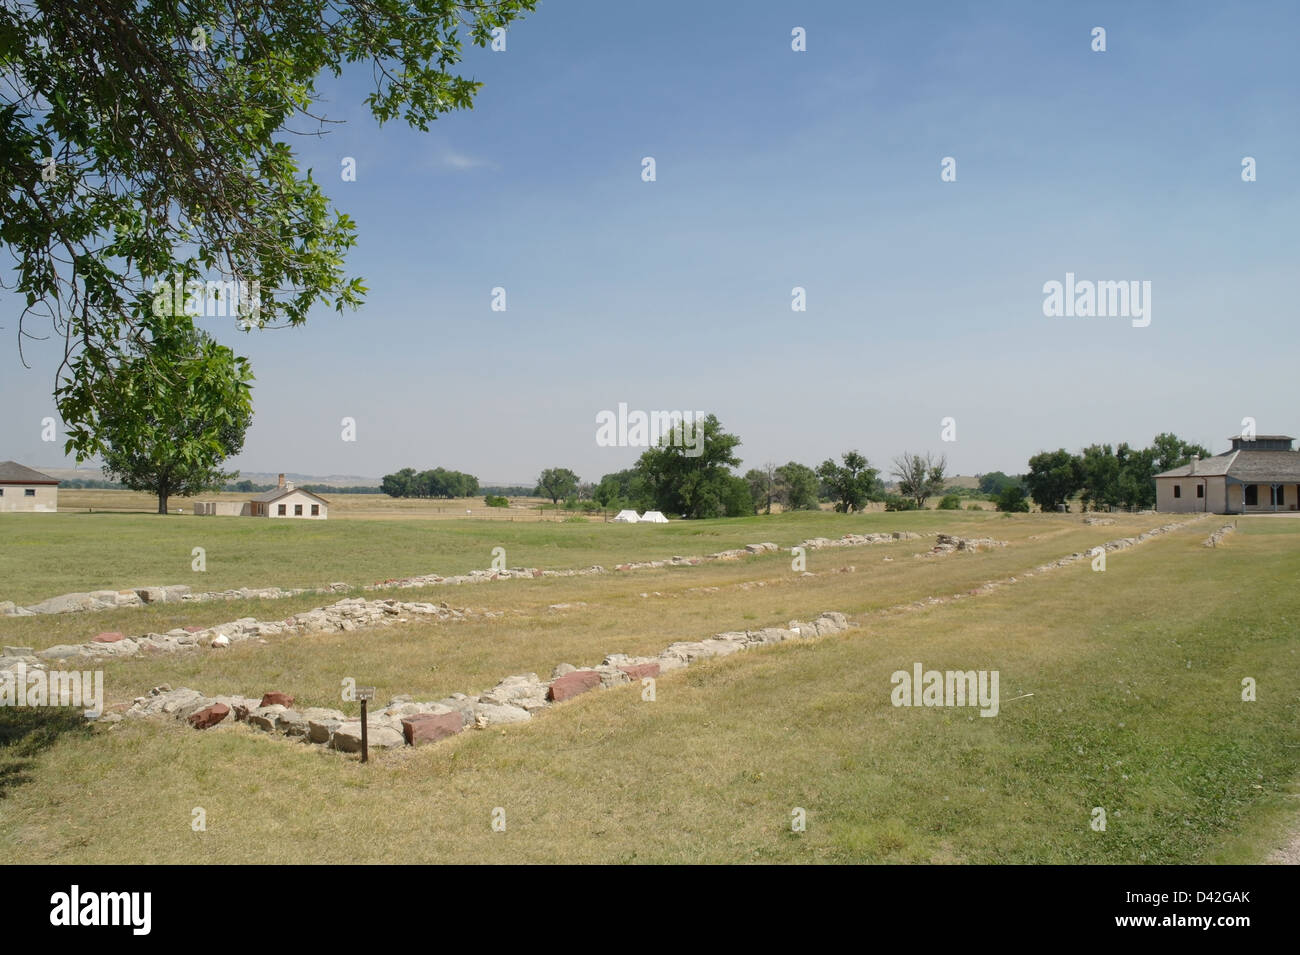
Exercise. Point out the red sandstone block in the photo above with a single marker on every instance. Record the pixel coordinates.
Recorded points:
(571, 684)
(270, 699)
(637, 671)
(209, 716)
(431, 727)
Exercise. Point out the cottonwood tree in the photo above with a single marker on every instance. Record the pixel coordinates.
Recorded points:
(401, 483)
(1125, 476)
(763, 486)
(792, 485)
(1136, 486)
(995, 482)
(696, 486)
(1099, 470)
(760, 488)
(437, 482)
(1170, 451)
(173, 413)
(557, 483)
(851, 484)
(920, 478)
(796, 487)
(1012, 499)
(150, 141)
(1053, 478)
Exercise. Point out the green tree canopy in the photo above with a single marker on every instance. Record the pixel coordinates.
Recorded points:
(623, 489)
(1012, 499)
(1123, 476)
(796, 487)
(761, 483)
(696, 486)
(557, 483)
(174, 413)
(1170, 451)
(994, 482)
(851, 484)
(1054, 477)
(437, 482)
(400, 483)
(1135, 485)
(919, 477)
(152, 141)
(1099, 473)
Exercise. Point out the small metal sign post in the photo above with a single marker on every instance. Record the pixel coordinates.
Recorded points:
(365, 693)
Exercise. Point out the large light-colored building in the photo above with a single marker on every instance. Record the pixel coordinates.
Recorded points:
(284, 500)
(22, 489)
(1259, 475)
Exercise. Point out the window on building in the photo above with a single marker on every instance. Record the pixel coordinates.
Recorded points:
(29, 492)
(1252, 495)
(282, 511)
(297, 510)
(315, 510)
(1200, 490)
(1276, 495)
(1178, 490)
(2, 492)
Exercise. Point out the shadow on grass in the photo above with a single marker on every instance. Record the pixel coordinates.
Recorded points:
(25, 731)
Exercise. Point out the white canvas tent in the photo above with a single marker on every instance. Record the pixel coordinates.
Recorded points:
(653, 517)
(626, 517)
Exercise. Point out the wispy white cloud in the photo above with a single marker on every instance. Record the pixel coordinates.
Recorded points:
(461, 162)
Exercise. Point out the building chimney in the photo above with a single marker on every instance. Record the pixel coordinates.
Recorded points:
(280, 482)
(1195, 458)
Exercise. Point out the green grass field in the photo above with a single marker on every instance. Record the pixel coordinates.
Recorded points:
(1135, 676)
(46, 554)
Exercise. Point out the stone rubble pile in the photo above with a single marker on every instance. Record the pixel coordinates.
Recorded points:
(516, 699)
(143, 596)
(483, 577)
(947, 544)
(1099, 520)
(356, 612)
(858, 540)
(183, 593)
(736, 553)
(98, 600)
(353, 613)
(1214, 539)
(1121, 543)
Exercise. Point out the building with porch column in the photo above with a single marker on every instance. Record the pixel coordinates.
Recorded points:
(1259, 475)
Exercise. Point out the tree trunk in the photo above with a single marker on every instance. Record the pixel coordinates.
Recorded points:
(164, 492)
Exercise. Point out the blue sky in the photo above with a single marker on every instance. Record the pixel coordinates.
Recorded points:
(778, 169)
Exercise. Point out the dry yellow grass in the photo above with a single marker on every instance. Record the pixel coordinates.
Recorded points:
(1135, 675)
(342, 506)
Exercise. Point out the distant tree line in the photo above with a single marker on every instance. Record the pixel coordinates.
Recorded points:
(89, 484)
(1103, 476)
(514, 490)
(666, 478)
(438, 482)
(252, 487)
